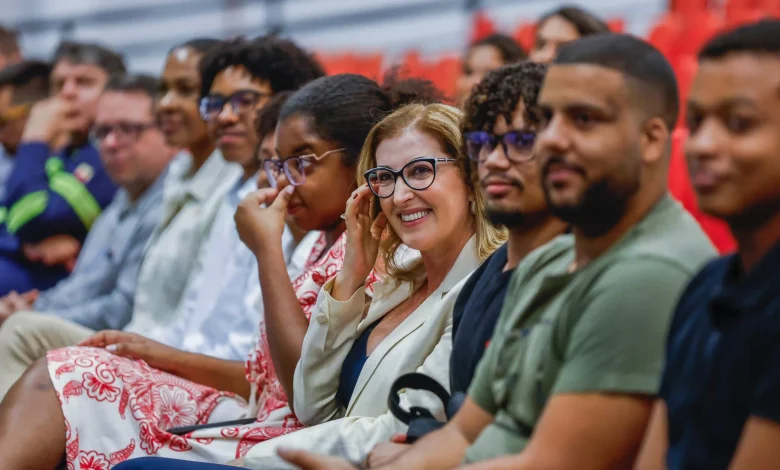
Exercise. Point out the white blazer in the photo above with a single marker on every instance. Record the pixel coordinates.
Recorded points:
(422, 343)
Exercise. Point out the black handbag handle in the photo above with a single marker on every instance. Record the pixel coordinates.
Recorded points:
(415, 381)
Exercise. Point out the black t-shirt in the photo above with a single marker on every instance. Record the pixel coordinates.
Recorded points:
(474, 317)
(722, 361)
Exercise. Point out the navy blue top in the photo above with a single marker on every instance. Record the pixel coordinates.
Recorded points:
(353, 365)
(723, 361)
(474, 317)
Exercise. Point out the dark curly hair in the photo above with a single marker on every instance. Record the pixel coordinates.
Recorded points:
(279, 61)
(499, 92)
(343, 108)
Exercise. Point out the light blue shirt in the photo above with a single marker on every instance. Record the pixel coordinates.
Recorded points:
(99, 293)
(218, 315)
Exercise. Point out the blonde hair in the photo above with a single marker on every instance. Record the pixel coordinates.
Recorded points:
(443, 123)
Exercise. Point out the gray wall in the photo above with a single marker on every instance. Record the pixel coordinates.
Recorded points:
(145, 29)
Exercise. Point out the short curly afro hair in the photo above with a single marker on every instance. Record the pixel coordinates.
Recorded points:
(499, 93)
(280, 62)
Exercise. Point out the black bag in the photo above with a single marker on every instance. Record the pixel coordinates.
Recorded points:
(421, 420)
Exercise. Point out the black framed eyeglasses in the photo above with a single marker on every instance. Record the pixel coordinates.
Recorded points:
(241, 102)
(418, 174)
(124, 132)
(517, 145)
(294, 168)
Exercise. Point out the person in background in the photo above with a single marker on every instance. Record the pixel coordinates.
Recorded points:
(238, 78)
(719, 404)
(10, 52)
(185, 129)
(9, 55)
(22, 85)
(135, 155)
(58, 186)
(483, 56)
(197, 182)
(583, 326)
(561, 26)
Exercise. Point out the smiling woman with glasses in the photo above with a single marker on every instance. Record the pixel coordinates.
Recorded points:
(418, 174)
(420, 217)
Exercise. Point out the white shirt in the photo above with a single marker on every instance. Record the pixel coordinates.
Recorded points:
(190, 206)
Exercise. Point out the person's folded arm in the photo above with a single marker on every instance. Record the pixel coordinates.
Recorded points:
(327, 343)
(113, 310)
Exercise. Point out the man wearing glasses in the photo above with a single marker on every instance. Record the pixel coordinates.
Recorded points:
(57, 187)
(99, 293)
(22, 85)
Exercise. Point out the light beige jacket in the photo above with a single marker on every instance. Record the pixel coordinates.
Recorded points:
(422, 343)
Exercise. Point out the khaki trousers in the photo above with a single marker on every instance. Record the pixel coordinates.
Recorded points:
(27, 336)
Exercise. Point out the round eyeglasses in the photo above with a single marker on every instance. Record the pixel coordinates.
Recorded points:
(241, 102)
(418, 174)
(517, 145)
(294, 168)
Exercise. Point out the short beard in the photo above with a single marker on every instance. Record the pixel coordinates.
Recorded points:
(601, 207)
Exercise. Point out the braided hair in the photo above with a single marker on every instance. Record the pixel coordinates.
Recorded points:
(499, 93)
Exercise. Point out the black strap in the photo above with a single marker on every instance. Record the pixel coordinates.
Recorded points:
(415, 381)
(180, 431)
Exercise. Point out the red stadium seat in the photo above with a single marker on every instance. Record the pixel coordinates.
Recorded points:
(481, 27)
(525, 35)
(617, 25)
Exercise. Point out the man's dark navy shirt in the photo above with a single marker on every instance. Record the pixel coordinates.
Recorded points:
(723, 361)
(474, 317)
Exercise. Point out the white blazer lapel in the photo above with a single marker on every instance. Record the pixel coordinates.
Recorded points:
(466, 263)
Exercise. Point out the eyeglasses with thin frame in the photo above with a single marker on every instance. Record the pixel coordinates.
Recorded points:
(418, 174)
(517, 145)
(294, 168)
(241, 102)
(124, 132)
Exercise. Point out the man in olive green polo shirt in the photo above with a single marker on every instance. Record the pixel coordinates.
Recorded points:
(574, 364)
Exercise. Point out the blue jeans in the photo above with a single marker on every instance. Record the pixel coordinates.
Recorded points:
(156, 463)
